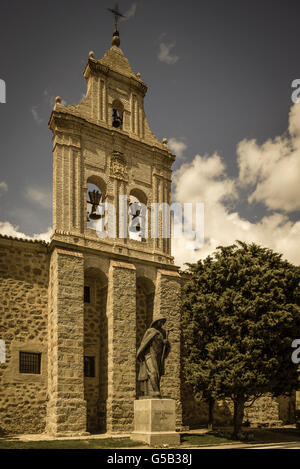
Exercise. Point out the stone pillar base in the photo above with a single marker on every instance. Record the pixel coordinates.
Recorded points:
(154, 422)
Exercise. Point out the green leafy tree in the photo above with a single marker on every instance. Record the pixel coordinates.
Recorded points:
(241, 312)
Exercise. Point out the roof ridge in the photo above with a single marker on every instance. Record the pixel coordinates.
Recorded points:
(26, 240)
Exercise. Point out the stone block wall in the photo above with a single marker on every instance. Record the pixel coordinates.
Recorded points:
(167, 303)
(121, 314)
(23, 326)
(66, 412)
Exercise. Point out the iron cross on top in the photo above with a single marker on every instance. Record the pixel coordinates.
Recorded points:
(117, 14)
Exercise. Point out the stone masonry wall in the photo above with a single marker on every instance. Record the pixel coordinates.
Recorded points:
(121, 313)
(66, 411)
(23, 327)
(95, 345)
(167, 304)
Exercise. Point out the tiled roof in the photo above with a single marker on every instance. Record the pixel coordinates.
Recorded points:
(15, 238)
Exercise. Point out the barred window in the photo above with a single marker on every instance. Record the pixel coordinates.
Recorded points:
(30, 363)
(87, 294)
(89, 367)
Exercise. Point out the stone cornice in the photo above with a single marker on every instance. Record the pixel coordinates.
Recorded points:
(55, 243)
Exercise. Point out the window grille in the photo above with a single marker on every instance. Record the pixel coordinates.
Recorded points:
(30, 363)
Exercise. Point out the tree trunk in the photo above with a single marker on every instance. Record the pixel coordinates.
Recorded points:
(239, 405)
(211, 404)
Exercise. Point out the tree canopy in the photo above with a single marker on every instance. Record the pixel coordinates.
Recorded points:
(241, 312)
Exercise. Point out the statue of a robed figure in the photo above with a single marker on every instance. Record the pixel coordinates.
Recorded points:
(151, 356)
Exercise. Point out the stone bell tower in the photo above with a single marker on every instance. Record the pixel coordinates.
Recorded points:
(105, 291)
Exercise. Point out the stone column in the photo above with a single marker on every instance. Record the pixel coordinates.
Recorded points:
(121, 316)
(66, 412)
(167, 303)
(155, 201)
(160, 216)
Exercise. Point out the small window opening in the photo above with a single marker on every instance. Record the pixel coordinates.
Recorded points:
(89, 367)
(87, 294)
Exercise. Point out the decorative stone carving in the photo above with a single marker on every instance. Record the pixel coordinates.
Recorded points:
(118, 166)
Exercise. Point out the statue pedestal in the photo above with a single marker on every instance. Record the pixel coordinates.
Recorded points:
(154, 422)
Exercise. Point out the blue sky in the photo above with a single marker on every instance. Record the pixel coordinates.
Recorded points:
(219, 76)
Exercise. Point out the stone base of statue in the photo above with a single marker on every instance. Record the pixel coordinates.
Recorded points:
(154, 422)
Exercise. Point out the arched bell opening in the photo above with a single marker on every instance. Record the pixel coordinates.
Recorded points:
(145, 290)
(95, 348)
(117, 114)
(138, 216)
(96, 194)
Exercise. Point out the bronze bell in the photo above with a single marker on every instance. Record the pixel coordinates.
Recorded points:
(94, 215)
(135, 212)
(95, 198)
(117, 120)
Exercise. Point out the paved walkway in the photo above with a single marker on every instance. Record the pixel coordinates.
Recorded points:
(265, 438)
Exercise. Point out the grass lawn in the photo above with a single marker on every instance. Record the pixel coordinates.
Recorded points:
(109, 443)
(188, 439)
(71, 444)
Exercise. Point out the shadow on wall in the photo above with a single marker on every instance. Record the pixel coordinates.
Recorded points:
(96, 349)
(144, 315)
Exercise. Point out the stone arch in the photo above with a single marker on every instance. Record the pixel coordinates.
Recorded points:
(138, 196)
(94, 183)
(145, 290)
(96, 347)
(97, 181)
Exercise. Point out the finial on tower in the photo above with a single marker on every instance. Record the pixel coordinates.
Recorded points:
(117, 14)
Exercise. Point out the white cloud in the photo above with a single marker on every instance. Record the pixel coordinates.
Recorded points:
(177, 147)
(43, 236)
(165, 53)
(6, 228)
(39, 196)
(130, 13)
(205, 180)
(34, 111)
(3, 187)
(272, 170)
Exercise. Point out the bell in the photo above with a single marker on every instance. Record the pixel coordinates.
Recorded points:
(117, 121)
(135, 228)
(94, 215)
(136, 213)
(95, 198)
